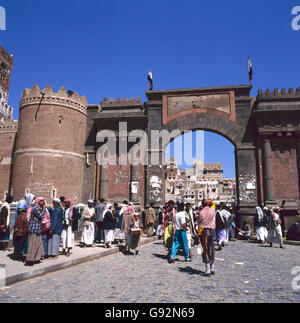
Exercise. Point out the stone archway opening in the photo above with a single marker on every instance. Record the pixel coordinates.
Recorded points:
(200, 164)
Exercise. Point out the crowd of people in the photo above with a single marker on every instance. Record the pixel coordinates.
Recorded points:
(41, 231)
(211, 227)
(181, 226)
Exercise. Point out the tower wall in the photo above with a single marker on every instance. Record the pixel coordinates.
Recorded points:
(49, 151)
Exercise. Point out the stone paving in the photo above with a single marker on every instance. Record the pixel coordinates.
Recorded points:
(245, 272)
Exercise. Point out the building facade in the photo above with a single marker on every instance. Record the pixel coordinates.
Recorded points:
(203, 181)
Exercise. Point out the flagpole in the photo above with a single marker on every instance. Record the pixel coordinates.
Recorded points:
(250, 69)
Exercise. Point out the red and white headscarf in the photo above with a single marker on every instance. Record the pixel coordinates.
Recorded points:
(33, 204)
(130, 210)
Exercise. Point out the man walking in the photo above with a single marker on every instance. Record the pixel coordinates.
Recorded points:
(180, 237)
(150, 219)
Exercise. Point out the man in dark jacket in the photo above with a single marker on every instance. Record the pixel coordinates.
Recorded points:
(108, 224)
(55, 230)
(99, 209)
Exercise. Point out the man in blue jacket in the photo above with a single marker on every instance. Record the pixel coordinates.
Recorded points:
(55, 230)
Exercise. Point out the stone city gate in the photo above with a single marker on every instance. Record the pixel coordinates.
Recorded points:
(265, 132)
(60, 159)
(223, 110)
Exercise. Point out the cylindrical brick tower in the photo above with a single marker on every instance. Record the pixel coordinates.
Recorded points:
(49, 159)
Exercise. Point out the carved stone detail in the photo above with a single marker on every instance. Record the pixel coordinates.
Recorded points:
(9, 126)
(219, 102)
(285, 157)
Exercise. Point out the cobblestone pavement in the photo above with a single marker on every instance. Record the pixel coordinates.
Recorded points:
(245, 272)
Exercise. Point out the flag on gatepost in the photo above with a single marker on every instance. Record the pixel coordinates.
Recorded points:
(150, 79)
(250, 69)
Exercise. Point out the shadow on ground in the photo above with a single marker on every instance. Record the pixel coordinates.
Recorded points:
(191, 271)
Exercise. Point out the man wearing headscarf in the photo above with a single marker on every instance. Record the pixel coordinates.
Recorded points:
(260, 225)
(88, 232)
(55, 229)
(35, 250)
(67, 233)
(32, 202)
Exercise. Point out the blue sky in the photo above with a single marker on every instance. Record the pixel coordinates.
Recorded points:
(104, 48)
(208, 146)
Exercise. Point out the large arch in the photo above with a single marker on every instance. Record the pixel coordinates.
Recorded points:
(207, 122)
(223, 110)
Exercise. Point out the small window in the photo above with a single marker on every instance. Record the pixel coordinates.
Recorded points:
(54, 193)
(5, 195)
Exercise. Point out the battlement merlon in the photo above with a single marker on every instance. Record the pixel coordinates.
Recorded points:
(48, 97)
(278, 94)
(121, 103)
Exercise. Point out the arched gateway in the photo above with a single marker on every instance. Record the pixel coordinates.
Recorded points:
(223, 110)
(60, 158)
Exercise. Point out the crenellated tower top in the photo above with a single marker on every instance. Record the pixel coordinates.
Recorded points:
(276, 93)
(69, 99)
